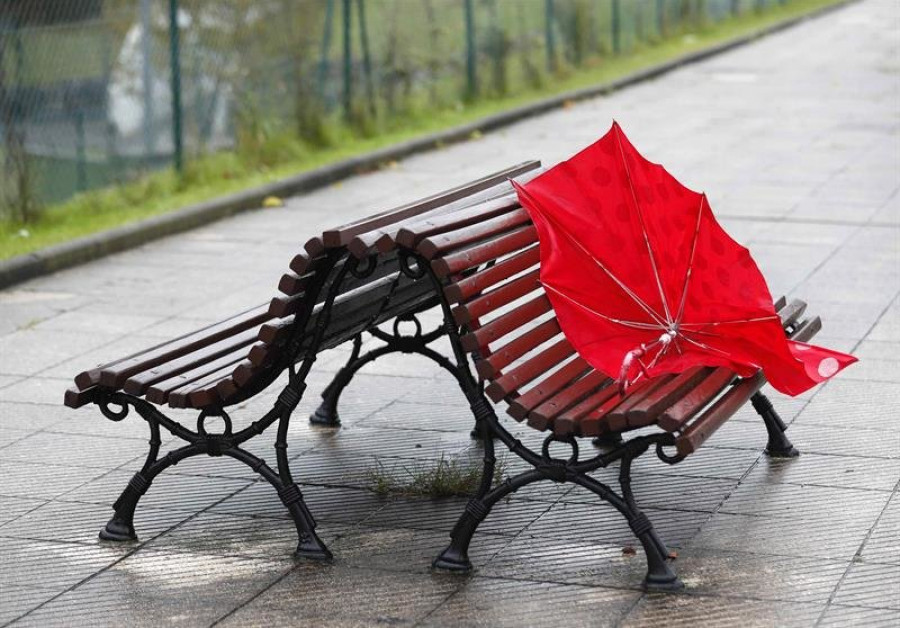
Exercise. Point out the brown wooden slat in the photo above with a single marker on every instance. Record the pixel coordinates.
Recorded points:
(91, 377)
(543, 415)
(276, 330)
(713, 418)
(506, 323)
(467, 287)
(113, 375)
(549, 386)
(139, 382)
(567, 421)
(646, 411)
(314, 250)
(76, 398)
(384, 239)
(431, 247)
(410, 235)
(504, 295)
(341, 236)
(158, 393)
(479, 254)
(491, 366)
(594, 422)
(181, 397)
(87, 379)
(679, 413)
(529, 370)
(617, 419)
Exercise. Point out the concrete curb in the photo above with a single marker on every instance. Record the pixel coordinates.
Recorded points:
(81, 250)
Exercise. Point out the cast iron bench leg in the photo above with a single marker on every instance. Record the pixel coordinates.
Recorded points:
(779, 446)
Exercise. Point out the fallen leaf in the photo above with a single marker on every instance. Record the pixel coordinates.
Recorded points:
(628, 551)
(272, 201)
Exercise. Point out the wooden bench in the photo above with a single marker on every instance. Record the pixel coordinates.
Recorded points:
(472, 252)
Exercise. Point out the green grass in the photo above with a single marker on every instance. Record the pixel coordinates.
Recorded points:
(444, 478)
(278, 155)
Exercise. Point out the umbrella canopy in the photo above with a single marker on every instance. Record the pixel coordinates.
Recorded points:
(644, 281)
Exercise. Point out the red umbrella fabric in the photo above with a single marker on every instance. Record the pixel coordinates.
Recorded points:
(644, 281)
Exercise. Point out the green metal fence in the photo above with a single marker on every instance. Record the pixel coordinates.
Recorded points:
(94, 92)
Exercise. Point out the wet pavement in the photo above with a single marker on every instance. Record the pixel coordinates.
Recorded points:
(794, 138)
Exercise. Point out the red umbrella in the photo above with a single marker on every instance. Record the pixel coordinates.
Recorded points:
(644, 281)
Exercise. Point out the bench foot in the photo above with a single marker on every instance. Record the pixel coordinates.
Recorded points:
(652, 584)
(325, 415)
(660, 578)
(311, 547)
(118, 530)
(453, 559)
(778, 445)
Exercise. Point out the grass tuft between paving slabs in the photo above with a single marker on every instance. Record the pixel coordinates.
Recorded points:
(445, 477)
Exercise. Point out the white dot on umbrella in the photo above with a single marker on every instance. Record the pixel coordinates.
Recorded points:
(828, 367)
(800, 347)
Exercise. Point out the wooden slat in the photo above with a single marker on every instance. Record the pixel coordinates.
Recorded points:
(594, 422)
(506, 323)
(492, 366)
(549, 386)
(479, 254)
(467, 287)
(504, 295)
(617, 419)
(529, 370)
(158, 393)
(682, 410)
(567, 421)
(341, 236)
(75, 398)
(114, 374)
(431, 247)
(648, 409)
(542, 416)
(410, 235)
(139, 382)
(200, 393)
(314, 250)
(384, 239)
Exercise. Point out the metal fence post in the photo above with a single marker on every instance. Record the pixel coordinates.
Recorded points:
(348, 68)
(660, 18)
(175, 63)
(550, 35)
(147, 78)
(367, 57)
(471, 77)
(326, 46)
(616, 25)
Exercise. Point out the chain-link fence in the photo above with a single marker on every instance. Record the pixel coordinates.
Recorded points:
(94, 92)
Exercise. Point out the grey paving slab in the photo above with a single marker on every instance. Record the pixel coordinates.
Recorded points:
(795, 138)
(498, 602)
(685, 610)
(141, 591)
(379, 597)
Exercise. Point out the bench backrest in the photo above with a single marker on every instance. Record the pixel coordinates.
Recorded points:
(362, 302)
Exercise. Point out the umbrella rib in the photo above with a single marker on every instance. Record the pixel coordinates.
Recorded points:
(705, 346)
(632, 324)
(640, 214)
(602, 267)
(690, 268)
(732, 322)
